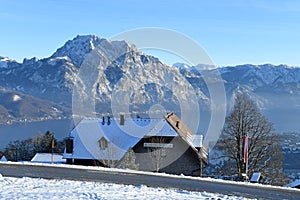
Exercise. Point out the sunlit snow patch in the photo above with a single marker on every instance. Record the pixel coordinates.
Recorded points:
(16, 98)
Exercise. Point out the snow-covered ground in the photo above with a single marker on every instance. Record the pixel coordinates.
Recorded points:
(129, 171)
(28, 188)
(35, 188)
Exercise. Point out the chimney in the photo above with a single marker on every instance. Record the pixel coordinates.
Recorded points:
(108, 120)
(122, 120)
(103, 120)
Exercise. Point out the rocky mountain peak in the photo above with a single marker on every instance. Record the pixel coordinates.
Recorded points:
(6, 63)
(30, 61)
(78, 48)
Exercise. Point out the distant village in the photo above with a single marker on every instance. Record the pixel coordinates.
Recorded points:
(290, 142)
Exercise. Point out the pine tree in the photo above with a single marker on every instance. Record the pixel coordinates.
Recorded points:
(45, 143)
(25, 150)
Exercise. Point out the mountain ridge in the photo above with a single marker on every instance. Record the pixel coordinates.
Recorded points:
(120, 66)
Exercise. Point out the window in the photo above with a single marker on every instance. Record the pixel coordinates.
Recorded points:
(103, 143)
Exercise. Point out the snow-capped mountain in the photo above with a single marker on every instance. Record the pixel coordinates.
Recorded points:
(102, 70)
(275, 86)
(117, 66)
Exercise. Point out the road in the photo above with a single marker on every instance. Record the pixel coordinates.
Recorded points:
(48, 172)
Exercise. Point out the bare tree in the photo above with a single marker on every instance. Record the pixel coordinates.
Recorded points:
(157, 151)
(264, 154)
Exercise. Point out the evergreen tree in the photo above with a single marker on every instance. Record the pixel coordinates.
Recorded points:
(46, 141)
(25, 150)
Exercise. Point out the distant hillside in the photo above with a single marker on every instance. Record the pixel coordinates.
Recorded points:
(18, 107)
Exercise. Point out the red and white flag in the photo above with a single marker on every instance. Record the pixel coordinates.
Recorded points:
(246, 139)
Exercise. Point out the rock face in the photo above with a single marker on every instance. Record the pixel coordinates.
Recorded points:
(114, 76)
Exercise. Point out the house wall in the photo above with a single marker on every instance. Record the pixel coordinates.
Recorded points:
(180, 159)
(186, 164)
(87, 162)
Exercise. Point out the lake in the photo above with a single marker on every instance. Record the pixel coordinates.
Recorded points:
(22, 131)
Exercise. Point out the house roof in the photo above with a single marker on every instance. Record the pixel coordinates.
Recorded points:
(255, 177)
(295, 184)
(89, 131)
(188, 136)
(47, 158)
(180, 128)
(3, 159)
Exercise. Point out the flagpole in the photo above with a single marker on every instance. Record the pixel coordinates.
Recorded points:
(246, 141)
(52, 147)
(247, 162)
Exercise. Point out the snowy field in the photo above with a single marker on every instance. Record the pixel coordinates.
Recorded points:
(34, 188)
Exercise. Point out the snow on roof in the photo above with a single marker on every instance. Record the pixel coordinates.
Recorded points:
(89, 131)
(47, 158)
(294, 184)
(197, 140)
(83, 134)
(3, 159)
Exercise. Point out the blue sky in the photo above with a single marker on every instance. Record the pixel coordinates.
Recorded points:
(231, 32)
